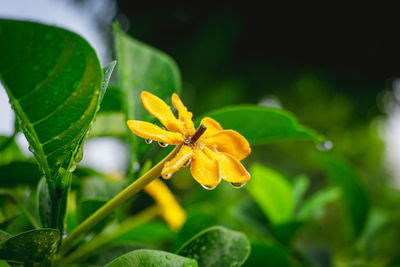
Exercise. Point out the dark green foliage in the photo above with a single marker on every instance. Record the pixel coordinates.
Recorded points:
(217, 246)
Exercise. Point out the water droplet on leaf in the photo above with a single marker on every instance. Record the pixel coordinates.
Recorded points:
(208, 187)
(148, 141)
(325, 146)
(238, 185)
(161, 144)
(73, 167)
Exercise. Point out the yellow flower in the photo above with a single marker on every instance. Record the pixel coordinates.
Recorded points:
(212, 153)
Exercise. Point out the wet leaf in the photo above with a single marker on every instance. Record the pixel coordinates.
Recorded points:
(53, 79)
(262, 125)
(31, 246)
(217, 246)
(147, 257)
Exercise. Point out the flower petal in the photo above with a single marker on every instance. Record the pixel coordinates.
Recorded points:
(159, 109)
(150, 131)
(184, 154)
(231, 142)
(212, 127)
(184, 115)
(231, 169)
(205, 170)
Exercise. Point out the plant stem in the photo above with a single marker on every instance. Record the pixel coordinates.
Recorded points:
(117, 201)
(127, 225)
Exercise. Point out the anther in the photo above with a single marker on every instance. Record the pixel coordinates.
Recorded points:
(199, 132)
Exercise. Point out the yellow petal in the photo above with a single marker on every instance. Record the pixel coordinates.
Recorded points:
(159, 109)
(184, 115)
(205, 170)
(231, 142)
(182, 157)
(231, 169)
(212, 127)
(150, 131)
(171, 211)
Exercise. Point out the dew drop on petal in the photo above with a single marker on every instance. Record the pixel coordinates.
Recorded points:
(208, 187)
(162, 144)
(167, 176)
(148, 141)
(187, 163)
(238, 185)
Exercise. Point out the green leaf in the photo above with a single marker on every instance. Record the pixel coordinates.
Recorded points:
(31, 246)
(299, 188)
(272, 192)
(217, 246)
(4, 236)
(53, 79)
(147, 257)
(354, 196)
(262, 125)
(112, 101)
(19, 173)
(109, 253)
(313, 207)
(142, 67)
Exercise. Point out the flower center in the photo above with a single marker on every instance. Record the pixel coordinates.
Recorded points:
(199, 132)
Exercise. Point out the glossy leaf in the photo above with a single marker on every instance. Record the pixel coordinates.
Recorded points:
(44, 203)
(354, 196)
(142, 67)
(261, 125)
(147, 257)
(217, 246)
(272, 192)
(53, 79)
(109, 253)
(31, 246)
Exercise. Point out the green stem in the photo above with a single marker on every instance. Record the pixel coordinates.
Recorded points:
(131, 223)
(117, 201)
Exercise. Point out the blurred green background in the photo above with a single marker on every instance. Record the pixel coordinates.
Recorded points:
(335, 69)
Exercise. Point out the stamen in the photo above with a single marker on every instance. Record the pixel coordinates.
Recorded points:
(199, 132)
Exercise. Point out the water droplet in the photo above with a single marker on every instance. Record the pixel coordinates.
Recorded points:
(187, 163)
(167, 175)
(238, 185)
(325, 146)
(161, 144)
(208, 187)
(73, 167)
(148, 141)
(79, 154)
